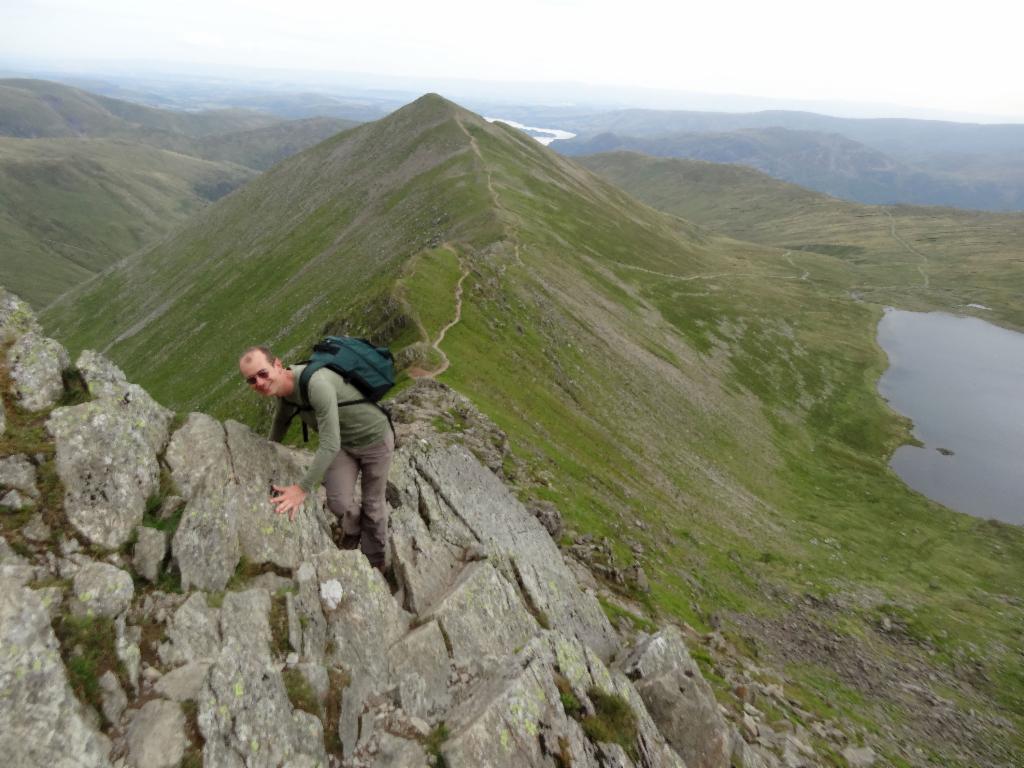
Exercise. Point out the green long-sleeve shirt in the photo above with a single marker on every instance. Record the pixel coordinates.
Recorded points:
(350, 426)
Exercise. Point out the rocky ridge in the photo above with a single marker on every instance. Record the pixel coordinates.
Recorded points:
(159, 614)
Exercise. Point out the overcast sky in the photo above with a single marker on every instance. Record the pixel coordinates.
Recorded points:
(919, 53)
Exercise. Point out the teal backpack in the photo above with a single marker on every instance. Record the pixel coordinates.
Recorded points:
(368, 368)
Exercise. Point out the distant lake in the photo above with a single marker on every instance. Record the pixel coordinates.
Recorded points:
(544, 135)
(961, 380)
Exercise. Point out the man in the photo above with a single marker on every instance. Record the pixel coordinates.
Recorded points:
(354, 439)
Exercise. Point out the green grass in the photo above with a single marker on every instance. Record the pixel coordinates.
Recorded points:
(87, 646)
(613, 721)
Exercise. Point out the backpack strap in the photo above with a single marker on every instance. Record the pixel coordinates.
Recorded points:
(312, 366)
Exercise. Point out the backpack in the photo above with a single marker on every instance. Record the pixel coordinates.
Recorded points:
(368, 368)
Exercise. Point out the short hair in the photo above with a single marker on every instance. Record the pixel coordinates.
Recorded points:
(259, 348)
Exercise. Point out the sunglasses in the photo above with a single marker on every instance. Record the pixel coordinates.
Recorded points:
(262, 374)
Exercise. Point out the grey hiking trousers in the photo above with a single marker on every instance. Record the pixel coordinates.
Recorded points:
(367, 523)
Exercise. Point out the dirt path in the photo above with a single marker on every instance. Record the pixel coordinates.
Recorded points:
(788, 258)
(924, 259)
(440, 337)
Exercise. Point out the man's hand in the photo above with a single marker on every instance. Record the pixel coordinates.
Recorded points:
(287, 498)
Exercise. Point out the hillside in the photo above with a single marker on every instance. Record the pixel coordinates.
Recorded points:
(683, 397)
(115, 177)
(33, 109)
(914, 257)
(826, 162)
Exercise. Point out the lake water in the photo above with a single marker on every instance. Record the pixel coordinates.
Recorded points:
(544, 135)
(961, 380)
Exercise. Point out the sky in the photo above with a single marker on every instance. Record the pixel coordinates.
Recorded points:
(957, 57)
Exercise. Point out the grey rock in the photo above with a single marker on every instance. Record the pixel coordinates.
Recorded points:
(479, 603)
(102, 378)
(368, 621)
(150, 551)
(36, 365)
(52, 599)
(36, 693)
(395, 752)
(16, 317)
(310, 614)
(424, 566)
(183, 683)
(244, 712)
(513, 718)
(679, 699)
(126, 647)
(271, 582)
(859, 757)
(420, 666)
(548, 516)
(268, 537)
(14, 501)
(102, 590)
(471, 498)
(36, 529)
(13, 567)
(3, 418)
(205, 546)
(359, 632)
(224, 472)
(156, 735)
(18, 473)
(107, 461)
(115, 700)
(193, 633)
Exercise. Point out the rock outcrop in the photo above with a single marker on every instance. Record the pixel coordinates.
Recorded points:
(485, 651)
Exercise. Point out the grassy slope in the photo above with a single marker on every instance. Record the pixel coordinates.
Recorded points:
(119, 177)
(645, 370)
(968, 257)
(71, 207)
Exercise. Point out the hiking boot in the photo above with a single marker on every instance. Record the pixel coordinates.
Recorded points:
(344, 540)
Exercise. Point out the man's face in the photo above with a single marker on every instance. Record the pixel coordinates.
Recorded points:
(262, 375)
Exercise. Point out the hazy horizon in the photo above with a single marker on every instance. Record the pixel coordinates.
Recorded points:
(912, 60)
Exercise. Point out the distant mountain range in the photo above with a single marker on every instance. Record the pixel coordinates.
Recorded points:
(924, 162)
(86, 180)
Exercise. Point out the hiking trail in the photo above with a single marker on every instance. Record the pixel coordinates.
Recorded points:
(909, 247)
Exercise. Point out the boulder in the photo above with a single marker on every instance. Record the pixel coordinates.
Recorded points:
(16, 317)
(193, 633)
(18, 473)
(183, 683)
(107, 462)
(468, 505)
(156, 735)
(479, 603)
(679, 699)
(13, 567)
(36, 365)
(36, 694)
(102, 590)
(13, 501)
(150, 551)
(419, 665)
(244, 712)
(115, 700)
(224, 473)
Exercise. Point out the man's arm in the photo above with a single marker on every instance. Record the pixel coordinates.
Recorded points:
(324, 399)
(282, 418)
